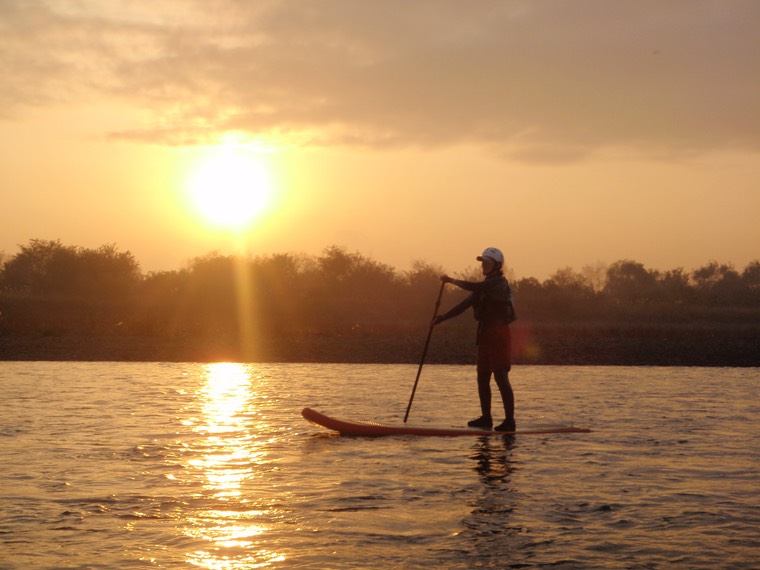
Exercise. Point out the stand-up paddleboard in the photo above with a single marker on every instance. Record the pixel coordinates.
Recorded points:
(375, 429)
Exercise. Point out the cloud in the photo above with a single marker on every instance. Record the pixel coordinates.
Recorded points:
(536, 80)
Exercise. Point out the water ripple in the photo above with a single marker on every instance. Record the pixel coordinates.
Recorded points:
(109, 465)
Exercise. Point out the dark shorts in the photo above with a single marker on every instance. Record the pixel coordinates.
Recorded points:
(494, 349)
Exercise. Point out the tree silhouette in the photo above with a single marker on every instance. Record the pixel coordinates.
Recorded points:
(751, 280)
(628, 282)
(52, 288)
(50, 268)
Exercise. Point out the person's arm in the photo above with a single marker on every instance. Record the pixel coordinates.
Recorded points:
(474, 286)
(456, 310)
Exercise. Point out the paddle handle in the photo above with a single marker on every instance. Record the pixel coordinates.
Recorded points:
(424, 351)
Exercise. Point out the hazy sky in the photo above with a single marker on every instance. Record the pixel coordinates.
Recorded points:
(567, 133)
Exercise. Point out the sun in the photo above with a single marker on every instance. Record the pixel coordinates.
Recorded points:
(230, 187)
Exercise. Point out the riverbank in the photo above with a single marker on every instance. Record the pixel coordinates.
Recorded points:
(540, 344)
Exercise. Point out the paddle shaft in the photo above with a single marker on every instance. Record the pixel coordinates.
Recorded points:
(424, 352)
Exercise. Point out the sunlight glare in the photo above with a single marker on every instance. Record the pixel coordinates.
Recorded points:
(226, 460)
(230, 186)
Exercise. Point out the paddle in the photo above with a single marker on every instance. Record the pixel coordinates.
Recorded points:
(424, 352)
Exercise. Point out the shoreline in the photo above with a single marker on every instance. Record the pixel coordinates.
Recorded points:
(538, 344)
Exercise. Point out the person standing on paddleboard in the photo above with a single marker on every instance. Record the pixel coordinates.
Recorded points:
(491, 300)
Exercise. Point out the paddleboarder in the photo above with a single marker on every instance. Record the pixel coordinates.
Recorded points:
(491, 300)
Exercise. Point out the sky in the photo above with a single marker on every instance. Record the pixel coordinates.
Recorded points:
(567, 133)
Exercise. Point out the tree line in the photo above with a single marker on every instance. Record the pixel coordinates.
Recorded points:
(52, 288)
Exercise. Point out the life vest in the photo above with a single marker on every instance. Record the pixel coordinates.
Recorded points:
(495, 304)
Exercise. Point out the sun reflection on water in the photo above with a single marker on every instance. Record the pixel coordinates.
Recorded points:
(225, 460)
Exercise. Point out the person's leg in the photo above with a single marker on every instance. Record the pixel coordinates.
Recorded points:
(484, 393)
(508, 399)
(507, 395)
(484, 388)
(502, 364)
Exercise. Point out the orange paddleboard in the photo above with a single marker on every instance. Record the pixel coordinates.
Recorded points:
(373, 429)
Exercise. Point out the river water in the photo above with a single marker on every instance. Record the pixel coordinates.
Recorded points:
(150, 465)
